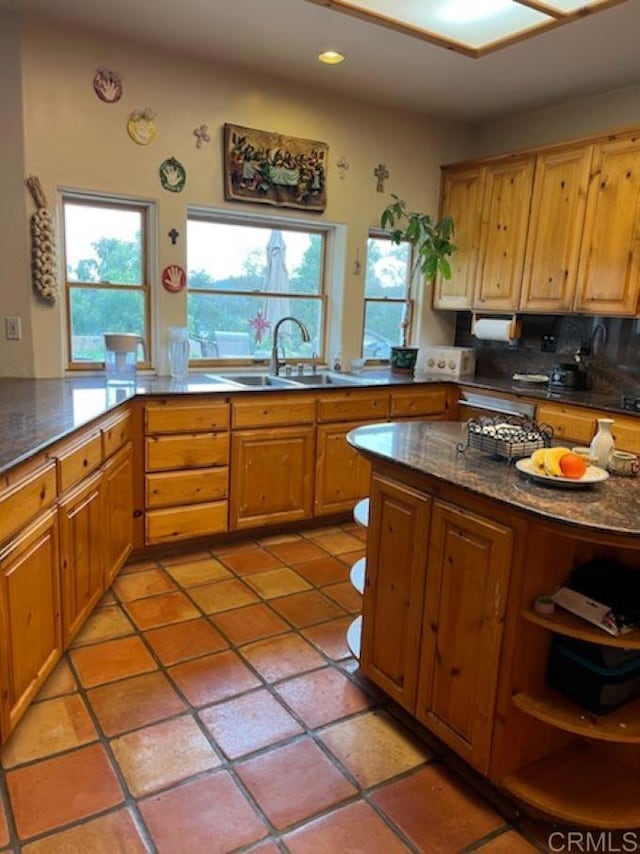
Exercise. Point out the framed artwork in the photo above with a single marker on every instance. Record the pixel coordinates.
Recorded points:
(273, 169)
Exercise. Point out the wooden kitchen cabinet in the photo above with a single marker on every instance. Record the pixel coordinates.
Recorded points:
(467, 580)
(609, 273)
(342, 474)
(82, 553)
(394, 588)
(505, 220)
(118, 511)
(186, 469)
(555, 229)
(271, 476)
(461, 198)
(30, 625)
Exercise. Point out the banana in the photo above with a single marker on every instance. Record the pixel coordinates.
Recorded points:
(552, 460)
(537, 459)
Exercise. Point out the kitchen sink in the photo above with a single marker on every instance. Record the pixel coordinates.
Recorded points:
(257, 380)
(324, 379)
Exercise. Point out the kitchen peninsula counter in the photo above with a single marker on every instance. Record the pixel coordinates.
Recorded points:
(431, 448)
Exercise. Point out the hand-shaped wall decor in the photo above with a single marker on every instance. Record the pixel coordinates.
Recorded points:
(174, 278)
(141, 127)
(173, 176)
(107, 85)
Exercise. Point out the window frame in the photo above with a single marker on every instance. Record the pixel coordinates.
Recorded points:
(123, 203)
(267, 223)
(408, 299)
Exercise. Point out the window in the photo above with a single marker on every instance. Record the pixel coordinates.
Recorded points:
(386, 291)
(242, 278)
(107, 277)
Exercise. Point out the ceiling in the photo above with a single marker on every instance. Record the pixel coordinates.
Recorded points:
(282, 37)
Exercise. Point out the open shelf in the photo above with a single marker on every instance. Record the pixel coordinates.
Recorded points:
(357, 574)
(354, 633)
(621, 726)
(361, 513)
(581, 785)
(564, 623)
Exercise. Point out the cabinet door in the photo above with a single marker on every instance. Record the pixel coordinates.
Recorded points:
(29, 616)
(505, 220)
(469, 559)
(462, 192)
(394, 585)
(118, 512)
(609, 272)
(271, 476)
(555, 229)
(342, 474)
(82, 553)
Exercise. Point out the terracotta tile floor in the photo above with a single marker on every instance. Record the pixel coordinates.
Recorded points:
(210, 704)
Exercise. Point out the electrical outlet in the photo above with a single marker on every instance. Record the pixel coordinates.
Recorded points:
(13, 328)
(548, 344)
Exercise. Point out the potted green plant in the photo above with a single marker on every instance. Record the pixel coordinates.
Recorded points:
(431, 245)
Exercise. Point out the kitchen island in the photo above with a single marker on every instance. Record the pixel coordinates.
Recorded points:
(459, 545)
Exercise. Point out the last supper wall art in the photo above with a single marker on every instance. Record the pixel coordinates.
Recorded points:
(273, 169)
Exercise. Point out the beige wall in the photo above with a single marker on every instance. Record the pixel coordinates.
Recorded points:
(16, 357)
(73, 140)
(580, 117)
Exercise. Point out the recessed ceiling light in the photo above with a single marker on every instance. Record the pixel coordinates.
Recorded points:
(331, 57)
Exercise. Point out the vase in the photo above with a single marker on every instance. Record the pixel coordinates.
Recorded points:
(403, 359)
(602, 444)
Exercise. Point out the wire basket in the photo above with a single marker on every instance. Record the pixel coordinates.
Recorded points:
(506, 437)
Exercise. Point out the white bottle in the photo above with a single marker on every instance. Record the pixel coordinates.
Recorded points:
(602, 444)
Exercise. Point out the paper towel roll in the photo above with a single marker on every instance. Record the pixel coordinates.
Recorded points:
(493, 329)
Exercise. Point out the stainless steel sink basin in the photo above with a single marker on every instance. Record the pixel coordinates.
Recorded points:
(324, 379)
(257, 380)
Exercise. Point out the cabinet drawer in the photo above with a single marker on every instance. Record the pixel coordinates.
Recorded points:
(353, 405)
(78, 460)
(427, 401)
(181, 523)
(25, 499)
(191, 418)
(186, 487)
(626, 433)
(569, 424)
(115, 433)
(267, 410)
(187, 451)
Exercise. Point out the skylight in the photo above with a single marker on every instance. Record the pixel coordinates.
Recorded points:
(472, 27)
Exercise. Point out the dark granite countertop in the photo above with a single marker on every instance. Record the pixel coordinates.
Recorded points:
(612, 506)
(36, 413)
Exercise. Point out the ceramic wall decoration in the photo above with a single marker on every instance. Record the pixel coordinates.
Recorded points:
(107, 85)
(174, 278)
(173, 175)
(202, 135)
(273, 169)
(141, 127)
(44, 254)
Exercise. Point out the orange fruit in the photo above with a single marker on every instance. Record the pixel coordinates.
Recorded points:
(572, 466)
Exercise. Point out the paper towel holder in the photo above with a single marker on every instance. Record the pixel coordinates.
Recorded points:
(515, 325)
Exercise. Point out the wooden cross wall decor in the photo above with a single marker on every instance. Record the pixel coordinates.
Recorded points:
(381, 173)
(173, 236)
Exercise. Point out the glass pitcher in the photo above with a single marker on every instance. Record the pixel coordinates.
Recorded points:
(178, 352)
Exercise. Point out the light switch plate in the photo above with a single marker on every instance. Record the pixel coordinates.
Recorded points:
(13, 328)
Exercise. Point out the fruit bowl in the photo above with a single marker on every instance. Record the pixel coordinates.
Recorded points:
(592, 475)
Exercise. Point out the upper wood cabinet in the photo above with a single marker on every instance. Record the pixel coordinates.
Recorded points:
(555, 229)
(462, 194)
(505, 220)
(609, 274)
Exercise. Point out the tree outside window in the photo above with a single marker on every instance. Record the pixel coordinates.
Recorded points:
(387, 281)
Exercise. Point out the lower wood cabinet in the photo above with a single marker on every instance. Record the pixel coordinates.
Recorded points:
(82, 553)
(342, 474)
(396, 572)
(464, 606)
(271, 476)
(30, 624)
(118, 511)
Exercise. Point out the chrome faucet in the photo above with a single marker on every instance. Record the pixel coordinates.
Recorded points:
(274, 364)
